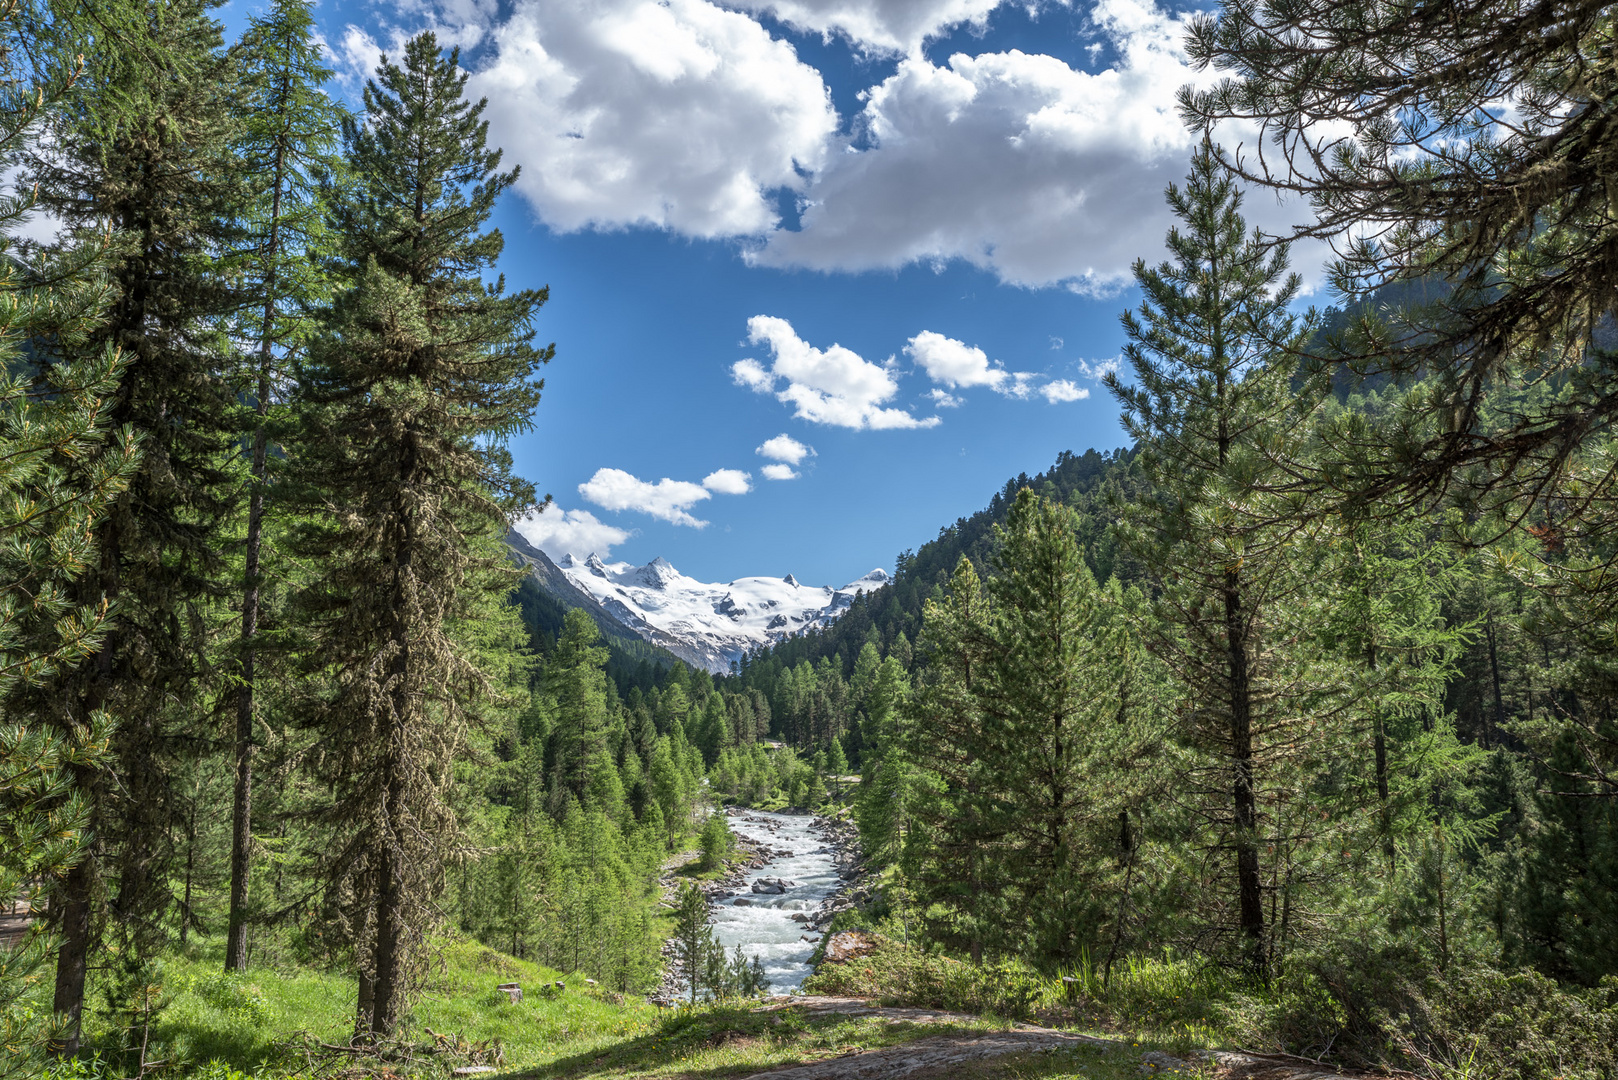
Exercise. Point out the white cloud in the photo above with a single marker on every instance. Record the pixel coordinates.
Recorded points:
(1015, 162)
(728, 482)
(1100, 369)
(559, 532)
(876, 25)
(832, 386)
(666, 500)
(679, 115)
(785, 448)
(943, 399)
(956, 364)
(779, 472)
(1059, 390)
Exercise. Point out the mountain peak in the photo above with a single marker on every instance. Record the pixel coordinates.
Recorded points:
(657, 574)
(708, 624)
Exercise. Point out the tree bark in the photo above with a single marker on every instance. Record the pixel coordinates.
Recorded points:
(72, 958)
(1250, 895)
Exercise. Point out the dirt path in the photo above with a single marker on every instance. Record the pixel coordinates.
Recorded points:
(938, 1054)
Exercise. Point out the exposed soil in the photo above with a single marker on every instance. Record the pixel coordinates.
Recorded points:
(937, 1055)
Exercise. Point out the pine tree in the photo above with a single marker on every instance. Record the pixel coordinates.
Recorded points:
(421, 372)
(144, 149)
(694, 944)
(578, 685)
(1209, 353)
(1492, 233)
(290, 134)
(48, 511)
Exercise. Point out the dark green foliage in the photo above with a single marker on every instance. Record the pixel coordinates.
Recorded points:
(1514, 217)
(144, 147)
(421, 372)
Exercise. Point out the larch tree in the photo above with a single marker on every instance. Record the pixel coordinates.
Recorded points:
(289, 138)
(143, 152)
(953, 787)
(1210, 355)
(422, 371)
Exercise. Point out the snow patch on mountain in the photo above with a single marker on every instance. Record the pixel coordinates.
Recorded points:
(717, 623)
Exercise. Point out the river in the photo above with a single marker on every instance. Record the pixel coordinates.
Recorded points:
(762, 923)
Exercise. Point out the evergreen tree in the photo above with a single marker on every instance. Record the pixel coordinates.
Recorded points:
(954, 787)
(422, 371)
(1210, 353)
(1496, 231)
(145, 148)
(290, 130)
(1049, 696)
(694, 943)
(47, 515)
(578, 687)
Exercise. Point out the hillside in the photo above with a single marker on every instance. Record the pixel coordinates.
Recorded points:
(1080, 481)
(545, 597)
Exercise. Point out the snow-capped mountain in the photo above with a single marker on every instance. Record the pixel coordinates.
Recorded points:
(716, 623)
(708, 625)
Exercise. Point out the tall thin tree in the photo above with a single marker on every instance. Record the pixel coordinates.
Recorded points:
(1209, 354)
(290, 134)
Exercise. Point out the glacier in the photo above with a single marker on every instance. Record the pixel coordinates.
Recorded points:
(717, 623)
(710, 625)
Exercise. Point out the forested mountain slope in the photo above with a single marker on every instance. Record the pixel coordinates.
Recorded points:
(1080, 481)
(546, 596)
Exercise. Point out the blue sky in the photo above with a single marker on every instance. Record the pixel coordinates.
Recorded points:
(824, 273)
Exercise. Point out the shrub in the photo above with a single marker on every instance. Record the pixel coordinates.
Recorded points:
(716, 841)
(901, 976)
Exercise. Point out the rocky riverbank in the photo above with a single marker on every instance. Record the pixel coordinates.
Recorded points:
(779, 915)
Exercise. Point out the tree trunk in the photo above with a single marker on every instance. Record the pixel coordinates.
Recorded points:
(241, 836)
(1250, 895)
(1494, 671)
(72, 958)
(387, 957)
(1381, 747)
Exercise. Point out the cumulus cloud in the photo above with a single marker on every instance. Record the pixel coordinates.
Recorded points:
(779, 472)
(667, 500)
(785, 448)
(834, 386)
(1015, 162)
(956, 364)
(728, 482)
(680, 115)
(886, 26)
(1059, 390)
(943, 399)
(559, 532)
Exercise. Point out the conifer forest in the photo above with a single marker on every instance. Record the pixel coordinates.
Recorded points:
(1291, 726)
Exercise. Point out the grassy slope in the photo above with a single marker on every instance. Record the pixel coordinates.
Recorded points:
(266, 1021)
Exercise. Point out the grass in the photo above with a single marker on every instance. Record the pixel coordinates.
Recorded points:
(258, 1020)
(268, 1022)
